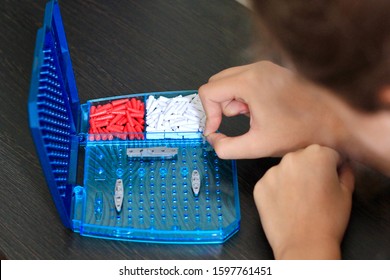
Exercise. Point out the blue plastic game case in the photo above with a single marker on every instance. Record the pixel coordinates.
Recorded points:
(159, 204)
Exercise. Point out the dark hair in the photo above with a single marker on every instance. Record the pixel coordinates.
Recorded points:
(343, 45)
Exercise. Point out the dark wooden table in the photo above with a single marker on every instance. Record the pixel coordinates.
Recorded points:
(121, 47)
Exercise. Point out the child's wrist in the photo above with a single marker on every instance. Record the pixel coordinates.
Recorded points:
(317, 249)
(335, 133)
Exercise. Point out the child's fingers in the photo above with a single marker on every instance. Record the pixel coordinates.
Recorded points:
(234, 108)
(243, 146)
(214, 96)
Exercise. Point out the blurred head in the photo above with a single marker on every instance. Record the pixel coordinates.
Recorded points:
(343, 45)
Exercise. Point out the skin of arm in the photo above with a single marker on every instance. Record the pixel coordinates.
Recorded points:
(286, 113)
(305, 202)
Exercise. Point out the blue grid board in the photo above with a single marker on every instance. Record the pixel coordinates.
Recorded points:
(52, 119)
(158, 200)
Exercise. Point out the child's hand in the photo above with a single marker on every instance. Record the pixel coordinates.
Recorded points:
(304, 204)
(285, 112)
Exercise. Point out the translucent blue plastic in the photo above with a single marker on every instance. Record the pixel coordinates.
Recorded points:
(158, 202)
(53, 107)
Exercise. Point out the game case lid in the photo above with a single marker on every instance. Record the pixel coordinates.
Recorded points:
(54, 108)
